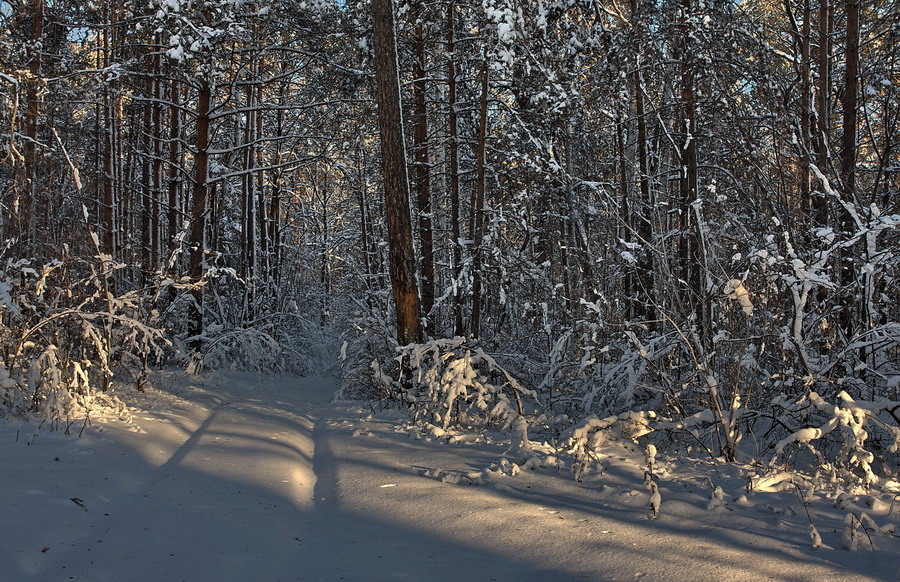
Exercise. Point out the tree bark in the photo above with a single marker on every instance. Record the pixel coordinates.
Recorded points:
(641, 221)
(693, 263)
(31, 119)
(423, 175)
(851, 91)
(822, 99)
(157, 162)
(198, 209)
(174, 164)
(248, 227)
(848, 159)
(476, 222)
(394, 169)
(274, 234)
(453, 168)
(147, 182)
(805, 105)
(108, 203)
(364, 217)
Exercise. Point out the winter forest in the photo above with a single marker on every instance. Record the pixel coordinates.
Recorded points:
(671, 222)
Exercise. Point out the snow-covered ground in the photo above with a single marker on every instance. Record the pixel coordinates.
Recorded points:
(243, 478)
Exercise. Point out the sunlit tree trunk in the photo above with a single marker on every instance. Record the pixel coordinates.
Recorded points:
(402, 262)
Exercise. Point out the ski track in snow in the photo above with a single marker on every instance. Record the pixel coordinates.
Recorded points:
(246, 478)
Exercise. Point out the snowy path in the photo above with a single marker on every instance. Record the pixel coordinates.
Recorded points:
(254, 480)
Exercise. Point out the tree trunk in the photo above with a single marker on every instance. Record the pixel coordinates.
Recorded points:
(848, 160)
(174, 164)
(630, 283)
(261, 206)
(642, 222)
(423, 175)
(364, 217)
(394, 169)
(198, 210)
(147, 182)
(275, 208)
(476, 223)
(108, 205)
(157, 164)
(822, 113)
(248, 226)
(693, 264)
(31, 125)
(851, 90)
(453, 163)
(805, 106)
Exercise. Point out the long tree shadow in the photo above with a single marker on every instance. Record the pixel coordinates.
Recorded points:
(233, 504)
(271, 489)
(606, 530)
(355, 545)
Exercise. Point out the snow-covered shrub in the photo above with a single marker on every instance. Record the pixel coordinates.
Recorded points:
(849, 443)
(281, 342)
(618, 375)
(65, 334)
(585, 439)
(284, 337)
(453, 382)
(700, 396)
(367, 350)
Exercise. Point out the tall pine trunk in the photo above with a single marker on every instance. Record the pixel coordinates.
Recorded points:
(175, 159)
(423, 175)
(642, 225)
(394, 169)
(198, 209)
(453, 168)
(848, 161)
(476, 221)
(31, 125)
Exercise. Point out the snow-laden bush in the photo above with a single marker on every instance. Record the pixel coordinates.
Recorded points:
(454, 383)
(367, 347)
(849, 443)
(280, 342)
(284, 337)
(584, 440)
(622, 375)
(695, 392)
(65, 334)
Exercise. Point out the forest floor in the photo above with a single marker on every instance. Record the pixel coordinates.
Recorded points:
(238, 477)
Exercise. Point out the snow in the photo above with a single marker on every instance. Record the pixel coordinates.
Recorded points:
(240, 477)
(735, 289)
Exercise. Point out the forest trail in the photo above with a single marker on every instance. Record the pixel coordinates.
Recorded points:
(267, 480)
